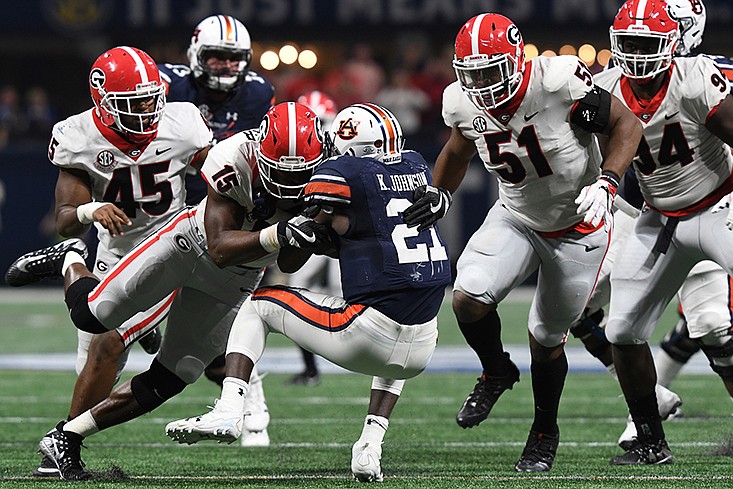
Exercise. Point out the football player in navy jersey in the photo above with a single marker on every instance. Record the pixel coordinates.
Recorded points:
(218, 81)
(393, 280)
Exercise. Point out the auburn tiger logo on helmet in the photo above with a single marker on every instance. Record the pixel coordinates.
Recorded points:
(348, 129)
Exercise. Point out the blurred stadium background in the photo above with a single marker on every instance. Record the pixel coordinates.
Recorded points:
(355, 50)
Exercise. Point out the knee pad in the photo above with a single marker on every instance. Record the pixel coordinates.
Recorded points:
(76, 300)
(677, 343)
(155, 386)
(590, 325)
(719, 351)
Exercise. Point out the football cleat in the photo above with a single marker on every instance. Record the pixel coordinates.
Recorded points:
(255, 438)
(365, 462)
(47, 468)
(539, 453)
(256, 414)
(645, 453)
(63, 448)
(151, 341)
(43, 263)
(479, 402)
(217, 424)
(669, 407)
(305, 378)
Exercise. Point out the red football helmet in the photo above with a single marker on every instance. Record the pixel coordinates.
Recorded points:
(291, 147)
(127, 91)
(489, 59)
(643, 38)
(323, 105)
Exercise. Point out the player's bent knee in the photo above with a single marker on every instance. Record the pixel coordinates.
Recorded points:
(719, 350)
(678, 344)
(155, 386)
(468, 309)
(76, 300)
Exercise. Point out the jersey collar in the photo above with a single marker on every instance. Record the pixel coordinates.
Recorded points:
(644, 109)
(504, 114)
(132, 150)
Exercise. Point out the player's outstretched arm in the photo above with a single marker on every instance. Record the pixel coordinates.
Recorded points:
(623, 133)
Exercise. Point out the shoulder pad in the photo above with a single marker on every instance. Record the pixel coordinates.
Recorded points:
(558, 71)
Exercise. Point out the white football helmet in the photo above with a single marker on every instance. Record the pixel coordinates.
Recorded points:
(221, 37)
(368, 130)
(691, 16)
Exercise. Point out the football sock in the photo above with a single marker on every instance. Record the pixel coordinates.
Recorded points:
(233, 393)
(548, 379)
(83, 424)
(645, 413)
(69, 259)
(374, 430)
(484, 337)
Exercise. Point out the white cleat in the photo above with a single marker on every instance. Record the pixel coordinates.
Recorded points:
(256, 414)
(668, 403)
(255, 438)
(365, 462)
(217, 424)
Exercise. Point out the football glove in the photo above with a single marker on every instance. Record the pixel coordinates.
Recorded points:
(596, 201)
(302, 232)
(431, 203)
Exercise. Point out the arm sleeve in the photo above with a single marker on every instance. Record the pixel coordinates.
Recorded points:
(593, 111)
(327, 187)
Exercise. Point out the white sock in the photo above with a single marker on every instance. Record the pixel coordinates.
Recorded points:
(667, 367)
(70, 258)
(374, 430)
(83, 424)
(233, 393)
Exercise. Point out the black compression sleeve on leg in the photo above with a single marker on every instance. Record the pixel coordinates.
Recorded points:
(155, 386)
(76, 300)
(484, 337)
(548, 379)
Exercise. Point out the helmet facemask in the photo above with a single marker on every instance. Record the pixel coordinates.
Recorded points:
(135, 113)
(488, 81)
(286, 177)
(225, 78)
(643, 54)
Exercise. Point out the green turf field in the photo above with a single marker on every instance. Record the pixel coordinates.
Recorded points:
(313, 428)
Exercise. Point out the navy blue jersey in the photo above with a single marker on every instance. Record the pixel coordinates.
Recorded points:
(384, 264)
(242, 110)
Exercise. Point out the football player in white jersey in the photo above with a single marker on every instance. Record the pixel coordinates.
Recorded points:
(122, 166)
(534, 125)
(683, 165)
(207, 259)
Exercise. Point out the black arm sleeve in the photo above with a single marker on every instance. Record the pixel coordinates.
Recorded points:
(593, 111)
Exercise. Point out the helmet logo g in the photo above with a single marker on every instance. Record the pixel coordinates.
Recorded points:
(513, 35)
(348, 129)
(97, 78)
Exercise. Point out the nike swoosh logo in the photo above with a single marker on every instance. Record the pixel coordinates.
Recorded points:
(310, 239)
(159, 152)
(589, 248)
(669, 116)
(528, 117)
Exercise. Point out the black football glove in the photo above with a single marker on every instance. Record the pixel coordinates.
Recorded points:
(431, 204)
(302, 232)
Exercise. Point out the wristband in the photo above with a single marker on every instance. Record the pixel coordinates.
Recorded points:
(611, 177)
(85, 211)
(268, 239)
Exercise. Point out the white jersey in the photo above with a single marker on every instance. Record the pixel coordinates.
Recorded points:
(146, 181)
(541, 159)
(680, 162)
(230, 170)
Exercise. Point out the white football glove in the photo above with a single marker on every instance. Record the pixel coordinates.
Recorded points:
(595, 201)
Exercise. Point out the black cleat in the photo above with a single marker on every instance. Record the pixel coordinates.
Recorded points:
(43, 263)
(305, 378)
(47, 468)
(539, 453)
(151, 341)
(645, 453)
(63, 448)
(479, 402)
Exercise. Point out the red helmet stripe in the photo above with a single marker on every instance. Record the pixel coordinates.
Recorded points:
(475, 36)
(292, 130)
(139, 64)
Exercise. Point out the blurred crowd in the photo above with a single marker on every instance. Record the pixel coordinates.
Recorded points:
(25, 117)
